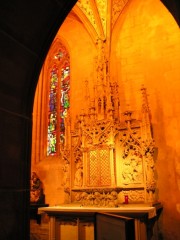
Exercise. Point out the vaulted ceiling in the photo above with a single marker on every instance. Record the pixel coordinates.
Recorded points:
(99, 15)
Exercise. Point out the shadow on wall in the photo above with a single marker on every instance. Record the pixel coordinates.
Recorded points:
(174, 7)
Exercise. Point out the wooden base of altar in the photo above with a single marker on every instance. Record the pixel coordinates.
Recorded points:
(69, 222)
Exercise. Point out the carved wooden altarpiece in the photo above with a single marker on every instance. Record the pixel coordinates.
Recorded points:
(108, 158)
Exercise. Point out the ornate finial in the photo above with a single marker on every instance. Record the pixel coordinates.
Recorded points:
(127, 115)
(145, 105)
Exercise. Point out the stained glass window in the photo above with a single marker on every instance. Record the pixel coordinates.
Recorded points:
(59, 95)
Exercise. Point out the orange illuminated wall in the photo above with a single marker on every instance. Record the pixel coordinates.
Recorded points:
(144, 49)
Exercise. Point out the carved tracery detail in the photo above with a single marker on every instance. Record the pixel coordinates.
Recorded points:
(117, 8)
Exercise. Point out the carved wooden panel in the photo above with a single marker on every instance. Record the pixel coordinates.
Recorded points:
(98, 168)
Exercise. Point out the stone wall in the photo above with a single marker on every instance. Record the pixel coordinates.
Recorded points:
(145, 50)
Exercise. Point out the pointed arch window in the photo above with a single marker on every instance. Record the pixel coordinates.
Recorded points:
(58, 101)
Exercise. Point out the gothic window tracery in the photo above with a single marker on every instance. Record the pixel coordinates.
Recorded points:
(59, 99)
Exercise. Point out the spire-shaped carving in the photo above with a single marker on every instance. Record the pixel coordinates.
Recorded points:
(146, 116)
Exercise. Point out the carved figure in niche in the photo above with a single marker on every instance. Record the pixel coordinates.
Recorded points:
(112, 199)
(97, 198)
(103, 201)
(66, 171)
(36, 193)
(150, 169)
(78, 180)
(126, 173)
(132, 170)
(78, 197)
(90, 199)
(136, 169)
(148, 153)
